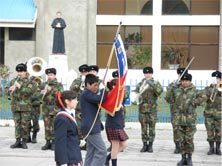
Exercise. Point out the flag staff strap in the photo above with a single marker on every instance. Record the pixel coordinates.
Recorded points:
(107, 67)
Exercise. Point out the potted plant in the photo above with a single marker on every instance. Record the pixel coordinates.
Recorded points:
(172, 55)
(138, 55)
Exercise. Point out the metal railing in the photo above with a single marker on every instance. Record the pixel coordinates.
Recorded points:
(131, 110)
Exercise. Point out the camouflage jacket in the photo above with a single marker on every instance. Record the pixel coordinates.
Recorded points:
(169, 96)
(150, 95)
(21, 98)
(186, 100)
(49, 100)
(77, 86)
(215, 106)
(36, 98)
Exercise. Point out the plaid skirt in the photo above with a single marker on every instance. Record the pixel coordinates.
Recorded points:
(116, 134)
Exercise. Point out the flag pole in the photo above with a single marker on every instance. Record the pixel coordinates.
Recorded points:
(100, 104)
(111, 52)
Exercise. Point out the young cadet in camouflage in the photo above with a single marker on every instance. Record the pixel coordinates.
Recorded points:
(186, 98)
(21, 91)
(49, 107)
(78, 86)
(35, 113)
(212, 114)
(149, 90)
(169, 98)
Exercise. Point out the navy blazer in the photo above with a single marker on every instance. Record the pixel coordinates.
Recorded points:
(89, 103)
(67, 150)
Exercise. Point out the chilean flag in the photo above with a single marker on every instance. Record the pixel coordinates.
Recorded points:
(114, 99)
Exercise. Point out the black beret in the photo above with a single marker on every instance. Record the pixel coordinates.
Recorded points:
(216, 74)
(115, 74)
(84, 68)
(181, 70)
(187, 76)
(21, 67)
(93, 67)
(50, 70)
(147, 70)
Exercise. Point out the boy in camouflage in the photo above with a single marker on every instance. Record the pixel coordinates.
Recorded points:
(78, 86)
(21, 90)
(149, 90)
(169, 98)
(35, 113)
(212, 114)
(49, 107)
(186, 98)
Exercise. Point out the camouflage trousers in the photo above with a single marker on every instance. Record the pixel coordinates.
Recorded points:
(175, 128)
(78, 121)
(34, 123)
(148, 120)
(22, 121)
(49, 126)
(213, 127)
(186, 134)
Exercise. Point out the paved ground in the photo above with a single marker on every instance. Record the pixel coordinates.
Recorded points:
(163, 149)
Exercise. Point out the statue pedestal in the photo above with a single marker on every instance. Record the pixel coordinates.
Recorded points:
(60, 62)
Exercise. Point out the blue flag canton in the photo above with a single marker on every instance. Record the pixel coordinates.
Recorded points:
(120, 56)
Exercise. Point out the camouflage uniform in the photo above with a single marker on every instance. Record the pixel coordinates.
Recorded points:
(169, 98)
(35, 113)
(77, 86)
(148, 111)
(49, 108)
(186, 100)
(21, 107)
(212, 114)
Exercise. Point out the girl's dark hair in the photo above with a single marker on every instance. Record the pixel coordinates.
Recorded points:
(90, 79)
(66, 95)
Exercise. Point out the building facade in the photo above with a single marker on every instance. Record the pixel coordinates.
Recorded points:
(163, 34)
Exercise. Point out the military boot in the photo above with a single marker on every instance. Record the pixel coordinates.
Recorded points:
(108, 159)
(150, 147)
(17, 144)
(53, 145)
(47, 145)
(177, 148)
(23, 144)
(34, 135)
(183, 160)
(29, 139)
(218, 151)
(189, 159)
(211, 150)
(145, 147)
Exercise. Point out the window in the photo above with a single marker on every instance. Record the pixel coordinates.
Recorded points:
(21, 34)
(193, 7)
(180, 44)
(125, 7)
(137, 41)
